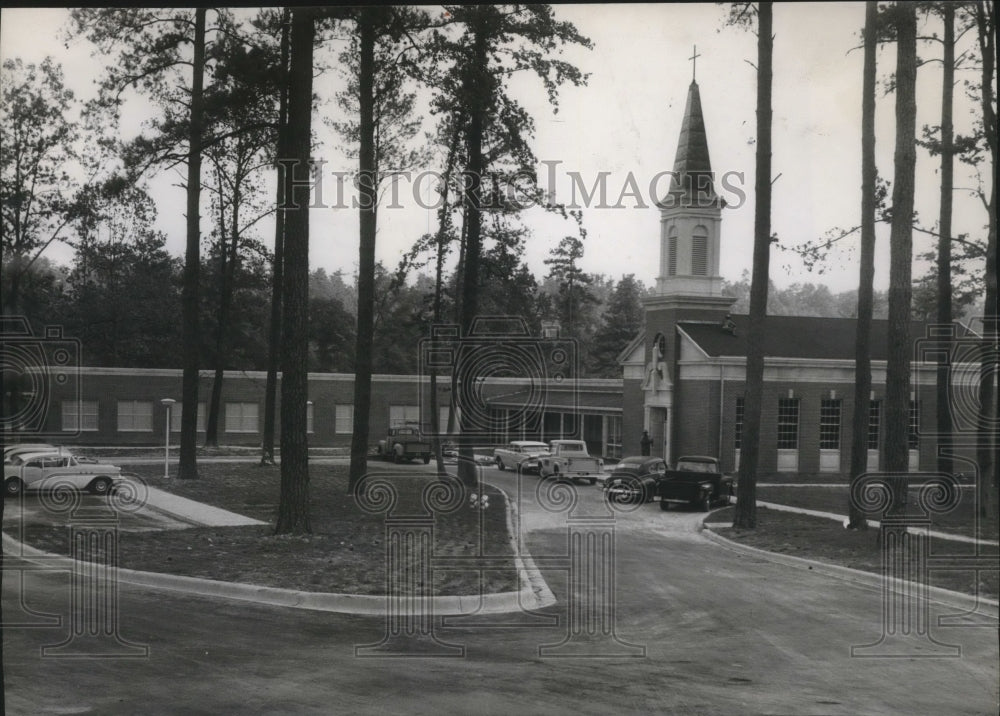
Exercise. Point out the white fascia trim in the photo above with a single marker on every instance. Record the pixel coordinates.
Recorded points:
(692, 342)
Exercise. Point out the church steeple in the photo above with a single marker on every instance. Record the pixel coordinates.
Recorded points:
(690, 214)
(692, 181)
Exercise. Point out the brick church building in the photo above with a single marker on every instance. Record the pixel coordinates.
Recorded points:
(683, 376)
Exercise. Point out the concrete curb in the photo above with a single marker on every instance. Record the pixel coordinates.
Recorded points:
(534, 593)
(534, 588)
(947, 597)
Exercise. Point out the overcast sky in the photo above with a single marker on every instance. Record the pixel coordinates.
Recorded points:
(627, 120)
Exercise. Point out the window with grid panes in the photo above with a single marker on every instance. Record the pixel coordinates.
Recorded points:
(738, 436)
(788, 423)
(874, 422)
(914, 427)
(829, 424)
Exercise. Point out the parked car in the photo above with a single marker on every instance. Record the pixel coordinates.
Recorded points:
(570, 460)
(404, 443)
(521, 455)
(11, 450)
(634, 479)
(697, 481)
(39, 470)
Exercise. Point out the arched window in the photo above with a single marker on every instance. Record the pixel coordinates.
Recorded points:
(672, 251)
(699, 251)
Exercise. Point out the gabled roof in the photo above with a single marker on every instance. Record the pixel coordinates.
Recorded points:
(795, 337)
(639, 340)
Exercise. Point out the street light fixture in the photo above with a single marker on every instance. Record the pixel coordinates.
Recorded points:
(167, 403)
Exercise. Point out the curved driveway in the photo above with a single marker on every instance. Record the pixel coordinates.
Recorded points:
(699, 629)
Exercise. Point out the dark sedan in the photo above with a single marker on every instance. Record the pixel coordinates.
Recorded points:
(634, 479)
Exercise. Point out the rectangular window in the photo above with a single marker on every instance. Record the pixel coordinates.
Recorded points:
(135, 416)
(788, 423)
(614, 447)
(874, 422)
(344, 419)
(829, 424)
(309, 416)
(402, 414)
(241, 417)
(914, 427)
(176, 412)
(79, 416)
(738, 434)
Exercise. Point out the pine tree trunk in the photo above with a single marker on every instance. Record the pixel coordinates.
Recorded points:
(188, 466)
(944, 318)
(989, 417)
(443, 225)
(367, 175)
(274, 329)
(745, 514)
(293, 507)
(477, 85)
(862, 345)
(900, 349)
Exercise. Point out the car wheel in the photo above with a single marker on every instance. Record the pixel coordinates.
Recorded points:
(396, 457)
(427, 459)
(500, 464)
(593, 481)
(664, 505)
(100, 486)
(13, 487)
(706, 503)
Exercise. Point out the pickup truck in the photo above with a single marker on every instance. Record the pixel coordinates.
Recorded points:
(404, 443)
(521, 455)
(570, 460)
(52, 469)
(695, 481)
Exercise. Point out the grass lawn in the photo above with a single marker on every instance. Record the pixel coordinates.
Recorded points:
(827, 541)
(345, 553)
(961, 519)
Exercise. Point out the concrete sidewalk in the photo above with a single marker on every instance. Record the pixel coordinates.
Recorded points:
(191, 511)
(874, 523)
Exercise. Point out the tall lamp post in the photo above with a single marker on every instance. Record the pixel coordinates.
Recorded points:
(167, 402)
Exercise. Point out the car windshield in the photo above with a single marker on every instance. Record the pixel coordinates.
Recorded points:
(696, 466)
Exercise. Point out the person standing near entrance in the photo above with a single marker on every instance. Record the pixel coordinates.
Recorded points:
(646, 442)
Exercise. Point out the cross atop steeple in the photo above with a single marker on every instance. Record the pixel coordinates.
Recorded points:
(694, 63)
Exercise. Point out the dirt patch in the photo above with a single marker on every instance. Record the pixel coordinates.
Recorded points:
(827, 541)
(346, 551)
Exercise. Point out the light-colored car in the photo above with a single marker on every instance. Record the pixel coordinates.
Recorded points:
(521, 455)
(11, 451)
(571, 460)
(45, 470)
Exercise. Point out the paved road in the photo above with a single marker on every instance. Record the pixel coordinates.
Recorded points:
(720, 633)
